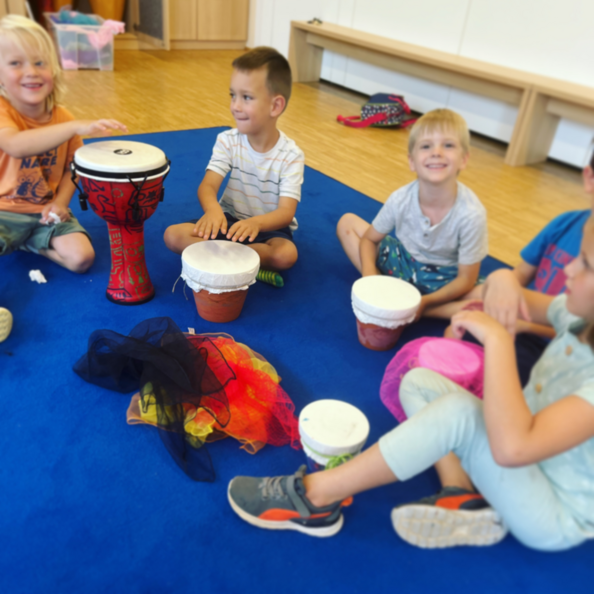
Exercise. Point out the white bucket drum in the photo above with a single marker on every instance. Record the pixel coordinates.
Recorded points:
(220, 274)
(331, 432)
(383, 306)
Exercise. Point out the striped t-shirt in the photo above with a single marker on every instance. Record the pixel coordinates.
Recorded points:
(257, 180)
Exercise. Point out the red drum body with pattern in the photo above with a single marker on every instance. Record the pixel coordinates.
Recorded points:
(123, 183)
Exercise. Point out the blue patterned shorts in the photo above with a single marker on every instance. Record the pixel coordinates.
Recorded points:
(394, 260)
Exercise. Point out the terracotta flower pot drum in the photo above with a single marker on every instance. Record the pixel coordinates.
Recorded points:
(377, 338)
(219, 307)
(383, 306)
(220, 274)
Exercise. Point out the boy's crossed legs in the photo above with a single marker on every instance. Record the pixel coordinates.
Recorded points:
(392, 258)
(275, 248)
(65, 243)
(350, 231)
(73, 251)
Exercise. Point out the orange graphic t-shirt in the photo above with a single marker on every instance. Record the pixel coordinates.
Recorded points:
(28, 184)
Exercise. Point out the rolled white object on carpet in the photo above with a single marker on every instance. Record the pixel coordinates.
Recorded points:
(37, 276)
(55, 219)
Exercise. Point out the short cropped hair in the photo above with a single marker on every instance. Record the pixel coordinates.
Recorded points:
(278, 71)
(442, 120)
(30, 37)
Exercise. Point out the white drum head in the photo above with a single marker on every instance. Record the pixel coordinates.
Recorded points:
(219, 266)
(333, 427)
(385, 301)
(117, 160)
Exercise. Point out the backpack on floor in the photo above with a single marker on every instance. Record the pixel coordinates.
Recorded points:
(382, 110)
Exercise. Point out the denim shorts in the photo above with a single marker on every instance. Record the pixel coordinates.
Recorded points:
(263, 236)
(394, 260)
(25, 232)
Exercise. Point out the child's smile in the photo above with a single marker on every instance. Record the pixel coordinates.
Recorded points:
(27, 80)
(437, 157)
(251, 101)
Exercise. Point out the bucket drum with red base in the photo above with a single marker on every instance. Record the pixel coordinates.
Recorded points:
(123, 182)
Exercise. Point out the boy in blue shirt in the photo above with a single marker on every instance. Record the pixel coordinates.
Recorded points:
(544, 258)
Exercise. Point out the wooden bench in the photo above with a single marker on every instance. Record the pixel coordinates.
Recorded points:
(549, 100)
(541, 101)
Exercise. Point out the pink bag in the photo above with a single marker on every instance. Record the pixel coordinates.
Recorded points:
(382, 110)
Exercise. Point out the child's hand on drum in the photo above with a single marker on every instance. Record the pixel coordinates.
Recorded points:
(98, 127)
(52, 212)
(210, 224)
(242, 230)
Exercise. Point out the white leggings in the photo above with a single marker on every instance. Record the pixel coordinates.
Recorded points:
(443, 418)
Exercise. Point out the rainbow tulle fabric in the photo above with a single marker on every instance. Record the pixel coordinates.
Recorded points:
(194, 388)
(258, 412)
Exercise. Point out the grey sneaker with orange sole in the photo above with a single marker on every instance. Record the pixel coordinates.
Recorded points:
(452, 517)
(279, 503)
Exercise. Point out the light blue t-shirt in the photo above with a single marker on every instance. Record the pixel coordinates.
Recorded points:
(460, 238)
(567, 368)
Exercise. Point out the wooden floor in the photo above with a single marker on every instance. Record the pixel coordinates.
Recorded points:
(177, 90)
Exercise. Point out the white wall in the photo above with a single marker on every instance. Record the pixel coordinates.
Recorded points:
(543, 36)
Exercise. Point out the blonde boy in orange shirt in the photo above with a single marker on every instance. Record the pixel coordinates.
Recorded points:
(38, 139)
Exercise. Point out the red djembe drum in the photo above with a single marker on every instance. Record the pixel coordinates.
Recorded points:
(123, 182)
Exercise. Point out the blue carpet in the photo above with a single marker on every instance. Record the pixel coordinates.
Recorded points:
(90, 504)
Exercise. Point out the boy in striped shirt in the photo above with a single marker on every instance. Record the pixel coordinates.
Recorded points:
(266, 169)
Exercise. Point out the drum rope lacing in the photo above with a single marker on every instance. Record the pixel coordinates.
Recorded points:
(82, 195)
(134, 200)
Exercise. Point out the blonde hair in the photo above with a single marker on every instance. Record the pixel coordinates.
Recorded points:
(28, 36)
(440, 120)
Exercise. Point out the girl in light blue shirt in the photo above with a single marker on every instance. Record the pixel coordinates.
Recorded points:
(529, 453)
